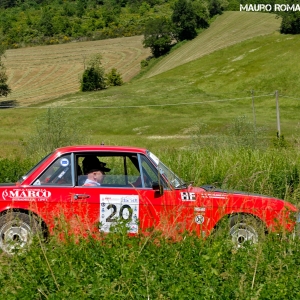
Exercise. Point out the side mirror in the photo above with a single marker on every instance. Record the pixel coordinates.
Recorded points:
(158, 188)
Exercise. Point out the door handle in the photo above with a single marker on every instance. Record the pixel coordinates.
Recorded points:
(81, 196)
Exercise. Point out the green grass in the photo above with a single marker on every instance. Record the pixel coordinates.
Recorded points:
(153, 267)
(166, 110)
(232, 27)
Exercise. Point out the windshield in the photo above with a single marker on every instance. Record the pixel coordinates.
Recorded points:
(175, 181)
(33, 169)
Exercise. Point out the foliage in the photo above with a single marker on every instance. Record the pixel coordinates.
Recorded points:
(93, 77)
(290, 23)
(31, 22)
(184, 18)
(4, 88)
(114, 78)
(117, 266)
(158, 36)
(216, 7)
(52, 130)
(201, 9)
(11, 169)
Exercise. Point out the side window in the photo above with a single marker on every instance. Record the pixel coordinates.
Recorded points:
(119, 170)
(150, 173)
(58, 173)
(123, 171)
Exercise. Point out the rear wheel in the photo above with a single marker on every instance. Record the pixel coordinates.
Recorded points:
(17, 231)
(245, 229)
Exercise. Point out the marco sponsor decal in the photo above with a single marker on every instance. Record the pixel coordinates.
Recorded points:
(26, 194)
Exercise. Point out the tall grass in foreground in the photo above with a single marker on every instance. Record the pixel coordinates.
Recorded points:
(153, 267)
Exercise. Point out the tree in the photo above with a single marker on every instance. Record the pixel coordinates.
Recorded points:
(290, 23)
(216, 7)
(185, 20)
(4, 88)
(7, 3)
(158, 36)
(114, 78)
(93, 76)
(45, 23)
(201, 9)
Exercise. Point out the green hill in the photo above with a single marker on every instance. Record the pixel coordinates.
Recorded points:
(230, 28)
(203, 97)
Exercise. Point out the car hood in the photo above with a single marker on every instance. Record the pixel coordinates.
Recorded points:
(212, 190)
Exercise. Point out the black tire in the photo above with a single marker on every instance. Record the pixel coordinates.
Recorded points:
(17, 230)
(245, 229)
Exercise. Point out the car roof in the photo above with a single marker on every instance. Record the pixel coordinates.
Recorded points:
(83, 148)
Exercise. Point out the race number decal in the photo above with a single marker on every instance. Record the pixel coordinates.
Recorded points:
(118, 207)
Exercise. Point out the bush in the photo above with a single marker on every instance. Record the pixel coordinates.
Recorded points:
(93, 77)
(92, 80)
(114, 78)
(12, 169)
(4, 88)
(53, 129)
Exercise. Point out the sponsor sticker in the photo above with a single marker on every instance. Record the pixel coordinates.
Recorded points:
(64, 162)
(199, 219)
(185, 196)
(26, 194)
(199, 209)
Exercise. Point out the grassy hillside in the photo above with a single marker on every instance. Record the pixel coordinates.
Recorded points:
(47, 72)
(228, 29)
(206, 97)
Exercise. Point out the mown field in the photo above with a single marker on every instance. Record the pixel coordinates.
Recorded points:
(36, 74)
(41, 73)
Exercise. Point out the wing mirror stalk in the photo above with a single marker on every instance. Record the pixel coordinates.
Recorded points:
(158, 188)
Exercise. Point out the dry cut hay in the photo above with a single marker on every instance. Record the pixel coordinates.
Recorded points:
(36, 74)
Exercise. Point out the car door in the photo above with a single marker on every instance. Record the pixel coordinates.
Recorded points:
(52, 192)
(126, 193)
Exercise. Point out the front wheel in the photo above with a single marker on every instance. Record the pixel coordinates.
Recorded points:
(245, 229)
(16, 231)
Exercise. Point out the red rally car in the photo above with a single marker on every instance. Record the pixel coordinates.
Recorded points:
(138, 188)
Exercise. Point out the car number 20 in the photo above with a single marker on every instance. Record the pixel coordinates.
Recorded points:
(119, 207)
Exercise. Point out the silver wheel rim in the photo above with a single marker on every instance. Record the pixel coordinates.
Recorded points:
(15, 235)
(242, 233)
